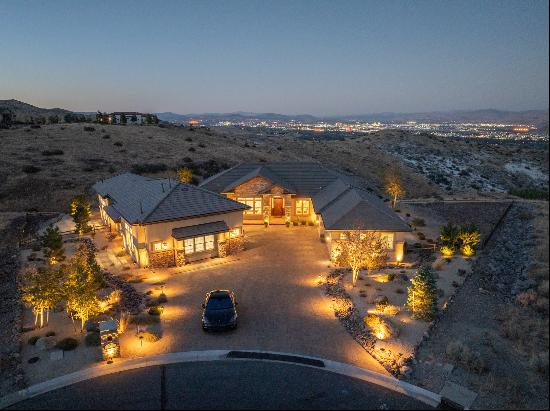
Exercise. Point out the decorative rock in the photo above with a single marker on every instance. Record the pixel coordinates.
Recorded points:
(45, 343)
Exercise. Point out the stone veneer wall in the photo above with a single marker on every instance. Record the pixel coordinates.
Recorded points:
(180, 258)
(162, 259)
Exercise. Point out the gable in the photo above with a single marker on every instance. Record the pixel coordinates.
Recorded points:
(253, 187)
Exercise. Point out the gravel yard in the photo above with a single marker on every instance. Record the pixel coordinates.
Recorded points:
(487, 340)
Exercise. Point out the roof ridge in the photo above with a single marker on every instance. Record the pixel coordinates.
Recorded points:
(163, 198)
(219, 174)
(348, 188)
(216, 194)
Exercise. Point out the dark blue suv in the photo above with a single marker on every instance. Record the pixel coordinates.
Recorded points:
(219, 310)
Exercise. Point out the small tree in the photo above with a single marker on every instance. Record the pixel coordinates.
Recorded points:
(53, 119)
(133, 119)
(52, 241)
(185, 175)
(123, 119)
(81, 212)
(468, 238)
(363, 249)
(394, 186)
(448, 239)
(42, 289)
(148, 119)
(422, 294)
(81, 284)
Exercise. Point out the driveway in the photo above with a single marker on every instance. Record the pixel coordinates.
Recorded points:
(281, 307)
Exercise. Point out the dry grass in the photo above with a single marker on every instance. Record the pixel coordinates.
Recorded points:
(88, 156)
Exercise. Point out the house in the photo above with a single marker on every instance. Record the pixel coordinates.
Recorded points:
(132, 117)
(166, 223)
(309, 193)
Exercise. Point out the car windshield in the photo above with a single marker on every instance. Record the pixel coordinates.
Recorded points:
(222, 302)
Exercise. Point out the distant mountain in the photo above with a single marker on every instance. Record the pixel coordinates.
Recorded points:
(24, 112)
(210, 118)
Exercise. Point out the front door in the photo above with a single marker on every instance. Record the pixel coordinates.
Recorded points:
(278, 209)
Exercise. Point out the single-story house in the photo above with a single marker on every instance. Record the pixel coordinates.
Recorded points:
(309, 193)
(166, 223)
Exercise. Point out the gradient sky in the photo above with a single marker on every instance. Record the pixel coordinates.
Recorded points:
(333, 57)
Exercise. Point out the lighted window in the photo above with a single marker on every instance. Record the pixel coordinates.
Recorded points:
(199, 244)
(189, 246)
(343, 236)
(209, 242)
(302, 207)
(236, 232)
(388, 238)
(254, 203)
(160, 246)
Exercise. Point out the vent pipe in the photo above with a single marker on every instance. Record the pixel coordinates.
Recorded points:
(141, 207)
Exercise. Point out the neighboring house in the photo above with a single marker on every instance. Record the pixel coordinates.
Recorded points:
(308, 193)
(114, 118)
(166, 223)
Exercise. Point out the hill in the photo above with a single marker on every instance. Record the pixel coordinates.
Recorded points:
(26, 113)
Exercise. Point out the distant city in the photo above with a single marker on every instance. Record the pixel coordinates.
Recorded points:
(516, 133)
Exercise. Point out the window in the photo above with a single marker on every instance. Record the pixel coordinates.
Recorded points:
(199, 244)
(160, 246)
(343, 236)
(236, 232)
(209, 242)
(302, 207)
(388, 238)
(254, 203)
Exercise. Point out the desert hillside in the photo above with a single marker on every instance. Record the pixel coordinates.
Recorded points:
(42, 168)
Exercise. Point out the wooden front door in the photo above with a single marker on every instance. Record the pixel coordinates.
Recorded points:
(278, 209)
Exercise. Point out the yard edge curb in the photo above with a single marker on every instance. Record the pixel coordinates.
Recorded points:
(389, 382)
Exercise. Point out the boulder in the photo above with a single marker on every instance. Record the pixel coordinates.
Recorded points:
(45, 343)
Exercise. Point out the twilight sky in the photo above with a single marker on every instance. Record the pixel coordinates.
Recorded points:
(311, 56)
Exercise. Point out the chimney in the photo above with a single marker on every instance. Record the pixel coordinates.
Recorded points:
(162, 185)
(141, 207)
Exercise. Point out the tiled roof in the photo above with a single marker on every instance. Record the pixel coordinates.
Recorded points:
(303, 179)
(340, 199)
(215, 227)
(144, 200)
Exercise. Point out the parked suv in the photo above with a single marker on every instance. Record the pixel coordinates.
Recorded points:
(219, 310)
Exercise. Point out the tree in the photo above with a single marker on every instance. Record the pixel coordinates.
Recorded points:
(81, 212)
(422, 294)
(448, 239)
(394, 186)
(81, 285)
(53, 119)
(123, 119)
(52, 241)
(185, 175)
(42, 289)
(468, 238)
(68, 118)
(363, 249)
(133, 119)
(148, 119)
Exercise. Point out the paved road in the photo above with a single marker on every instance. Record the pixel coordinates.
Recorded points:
(223, 385)
(281, 307)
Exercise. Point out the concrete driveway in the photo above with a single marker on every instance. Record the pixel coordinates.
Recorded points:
(281, 307)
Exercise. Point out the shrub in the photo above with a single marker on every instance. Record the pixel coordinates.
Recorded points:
(50, 334)
(162, 298)
(106, 136)
(56, 152)
(461, 355)
(149, 168)
(31, 169)
(144, 319)
(447, 250)
(121, 253)
(380, 328)
(531, 193)
(88, 128)
(92, 339)
(155, 310)
(192, 149)
(67, 344)
(33, 340)
(117, 143)
(418, 222)
(188, 139)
